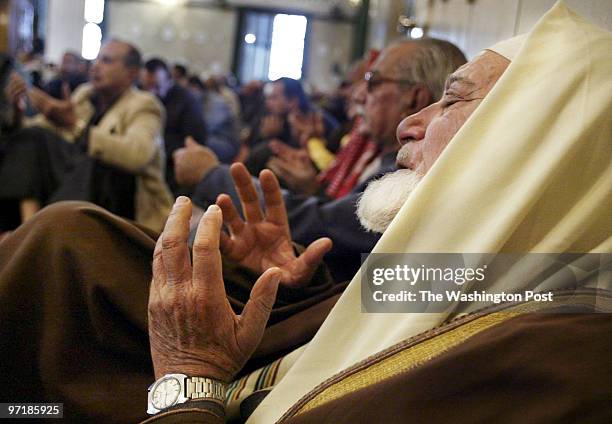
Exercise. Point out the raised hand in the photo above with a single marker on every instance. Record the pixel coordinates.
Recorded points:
(264, 240)
(305, 126)
(193, 162)
(294, 167)
(271, 126)
(60, 112)
(192, 327)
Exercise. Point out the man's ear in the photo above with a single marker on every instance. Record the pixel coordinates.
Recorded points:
(416, 98)
(134, 74)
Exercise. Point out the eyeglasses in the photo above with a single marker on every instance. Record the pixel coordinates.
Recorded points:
(374, 79)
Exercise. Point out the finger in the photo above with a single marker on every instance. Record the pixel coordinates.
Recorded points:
(65, 91)
(16, 87)
(275, 146)
(247, 193)
(175, 253)
(285, 165)
(179, 153)
(279, 148)
(190, 142)
(16, 82)
(231, 218)
(39, 101)
(302, 156)
(275, 206)
(283, 168)
(159, 272)
(207, 272)
(257, 310)
(226, 244)
(309, 260)
(275, 167)
(15, 92)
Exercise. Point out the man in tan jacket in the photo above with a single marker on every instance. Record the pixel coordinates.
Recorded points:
(103, 144)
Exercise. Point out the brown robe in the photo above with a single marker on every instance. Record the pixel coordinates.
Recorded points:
(74, 287)
(529, 368)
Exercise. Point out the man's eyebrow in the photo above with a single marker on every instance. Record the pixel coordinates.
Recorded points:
(456, 78)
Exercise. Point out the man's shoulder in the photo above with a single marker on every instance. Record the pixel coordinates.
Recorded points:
(82, 93)
(141, 96)
(180, 94)
(139, 99)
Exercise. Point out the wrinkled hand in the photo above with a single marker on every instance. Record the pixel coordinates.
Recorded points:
(192, 328)
(271, 126)
(294, 167)
(193, 162)
(264, 241)
(60, 112)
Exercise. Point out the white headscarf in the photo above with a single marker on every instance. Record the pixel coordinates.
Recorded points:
(530, 171)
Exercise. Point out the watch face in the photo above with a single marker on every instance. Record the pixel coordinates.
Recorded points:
(166, 392)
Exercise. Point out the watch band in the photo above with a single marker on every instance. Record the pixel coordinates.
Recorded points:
(204, 388)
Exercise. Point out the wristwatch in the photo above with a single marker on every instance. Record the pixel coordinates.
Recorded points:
(173, 389)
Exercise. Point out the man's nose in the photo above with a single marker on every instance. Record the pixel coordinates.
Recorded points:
(412, 128)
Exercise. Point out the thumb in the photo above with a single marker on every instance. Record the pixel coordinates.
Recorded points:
(263, 295)
(310, 259)
(190, 142)
(65, 91)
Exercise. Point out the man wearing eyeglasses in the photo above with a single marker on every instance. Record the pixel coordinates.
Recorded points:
(116, 259)
(406, 77)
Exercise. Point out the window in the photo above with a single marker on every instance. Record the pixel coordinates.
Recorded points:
(92, 33)
(270, 45)
(287, 51)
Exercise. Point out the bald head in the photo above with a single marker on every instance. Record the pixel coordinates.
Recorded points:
(116, 68)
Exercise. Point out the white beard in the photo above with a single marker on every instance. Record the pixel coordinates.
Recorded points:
(383, 198)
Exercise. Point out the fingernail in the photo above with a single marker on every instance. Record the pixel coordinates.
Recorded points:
(213, 208)
(180, 200)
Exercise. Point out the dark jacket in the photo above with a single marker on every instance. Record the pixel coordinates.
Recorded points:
(184, 117)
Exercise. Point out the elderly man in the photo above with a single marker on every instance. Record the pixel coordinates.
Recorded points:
(101, 145)
(218, 359)
(407, 77)
(184, 116)
(481, 374)
(359, 367)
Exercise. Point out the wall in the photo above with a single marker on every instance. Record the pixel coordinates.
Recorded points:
(382, 22)
(201, 37)
(477, 25)
(329, 48)
(64, 30)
